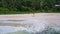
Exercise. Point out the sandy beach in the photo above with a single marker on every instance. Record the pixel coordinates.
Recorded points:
(27, 16)
(53, 18)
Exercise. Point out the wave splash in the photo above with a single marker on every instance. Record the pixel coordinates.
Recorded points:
(34, 25)
(31, 26)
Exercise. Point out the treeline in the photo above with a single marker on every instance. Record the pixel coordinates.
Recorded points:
(28, 5)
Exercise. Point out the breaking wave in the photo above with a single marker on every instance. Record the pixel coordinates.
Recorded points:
(30, 26)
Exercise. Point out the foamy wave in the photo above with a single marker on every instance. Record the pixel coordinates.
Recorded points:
(34, 25)
(30, 25)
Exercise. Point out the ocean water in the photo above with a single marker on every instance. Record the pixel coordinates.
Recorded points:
(17, 30)
(29, 26)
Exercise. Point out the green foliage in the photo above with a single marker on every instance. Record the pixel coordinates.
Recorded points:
(30, 5)
(4, 9)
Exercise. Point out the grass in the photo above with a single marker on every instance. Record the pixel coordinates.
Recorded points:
(13, 12)
(28, 12)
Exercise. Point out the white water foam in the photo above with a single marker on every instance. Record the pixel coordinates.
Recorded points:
(30, 25)
(34, 25)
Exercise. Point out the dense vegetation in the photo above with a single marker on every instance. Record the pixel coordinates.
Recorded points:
(29, 6)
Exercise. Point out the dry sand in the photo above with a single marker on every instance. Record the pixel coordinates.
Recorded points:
(27, 16)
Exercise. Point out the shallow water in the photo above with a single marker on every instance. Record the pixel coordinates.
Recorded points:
(29, 26)
(17, 30)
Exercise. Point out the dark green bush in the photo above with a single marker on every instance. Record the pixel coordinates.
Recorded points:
(4, 9)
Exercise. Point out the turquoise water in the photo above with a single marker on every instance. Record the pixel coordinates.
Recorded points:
(50, 30)
(22, 30)
(19, 32)
(13, 30)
